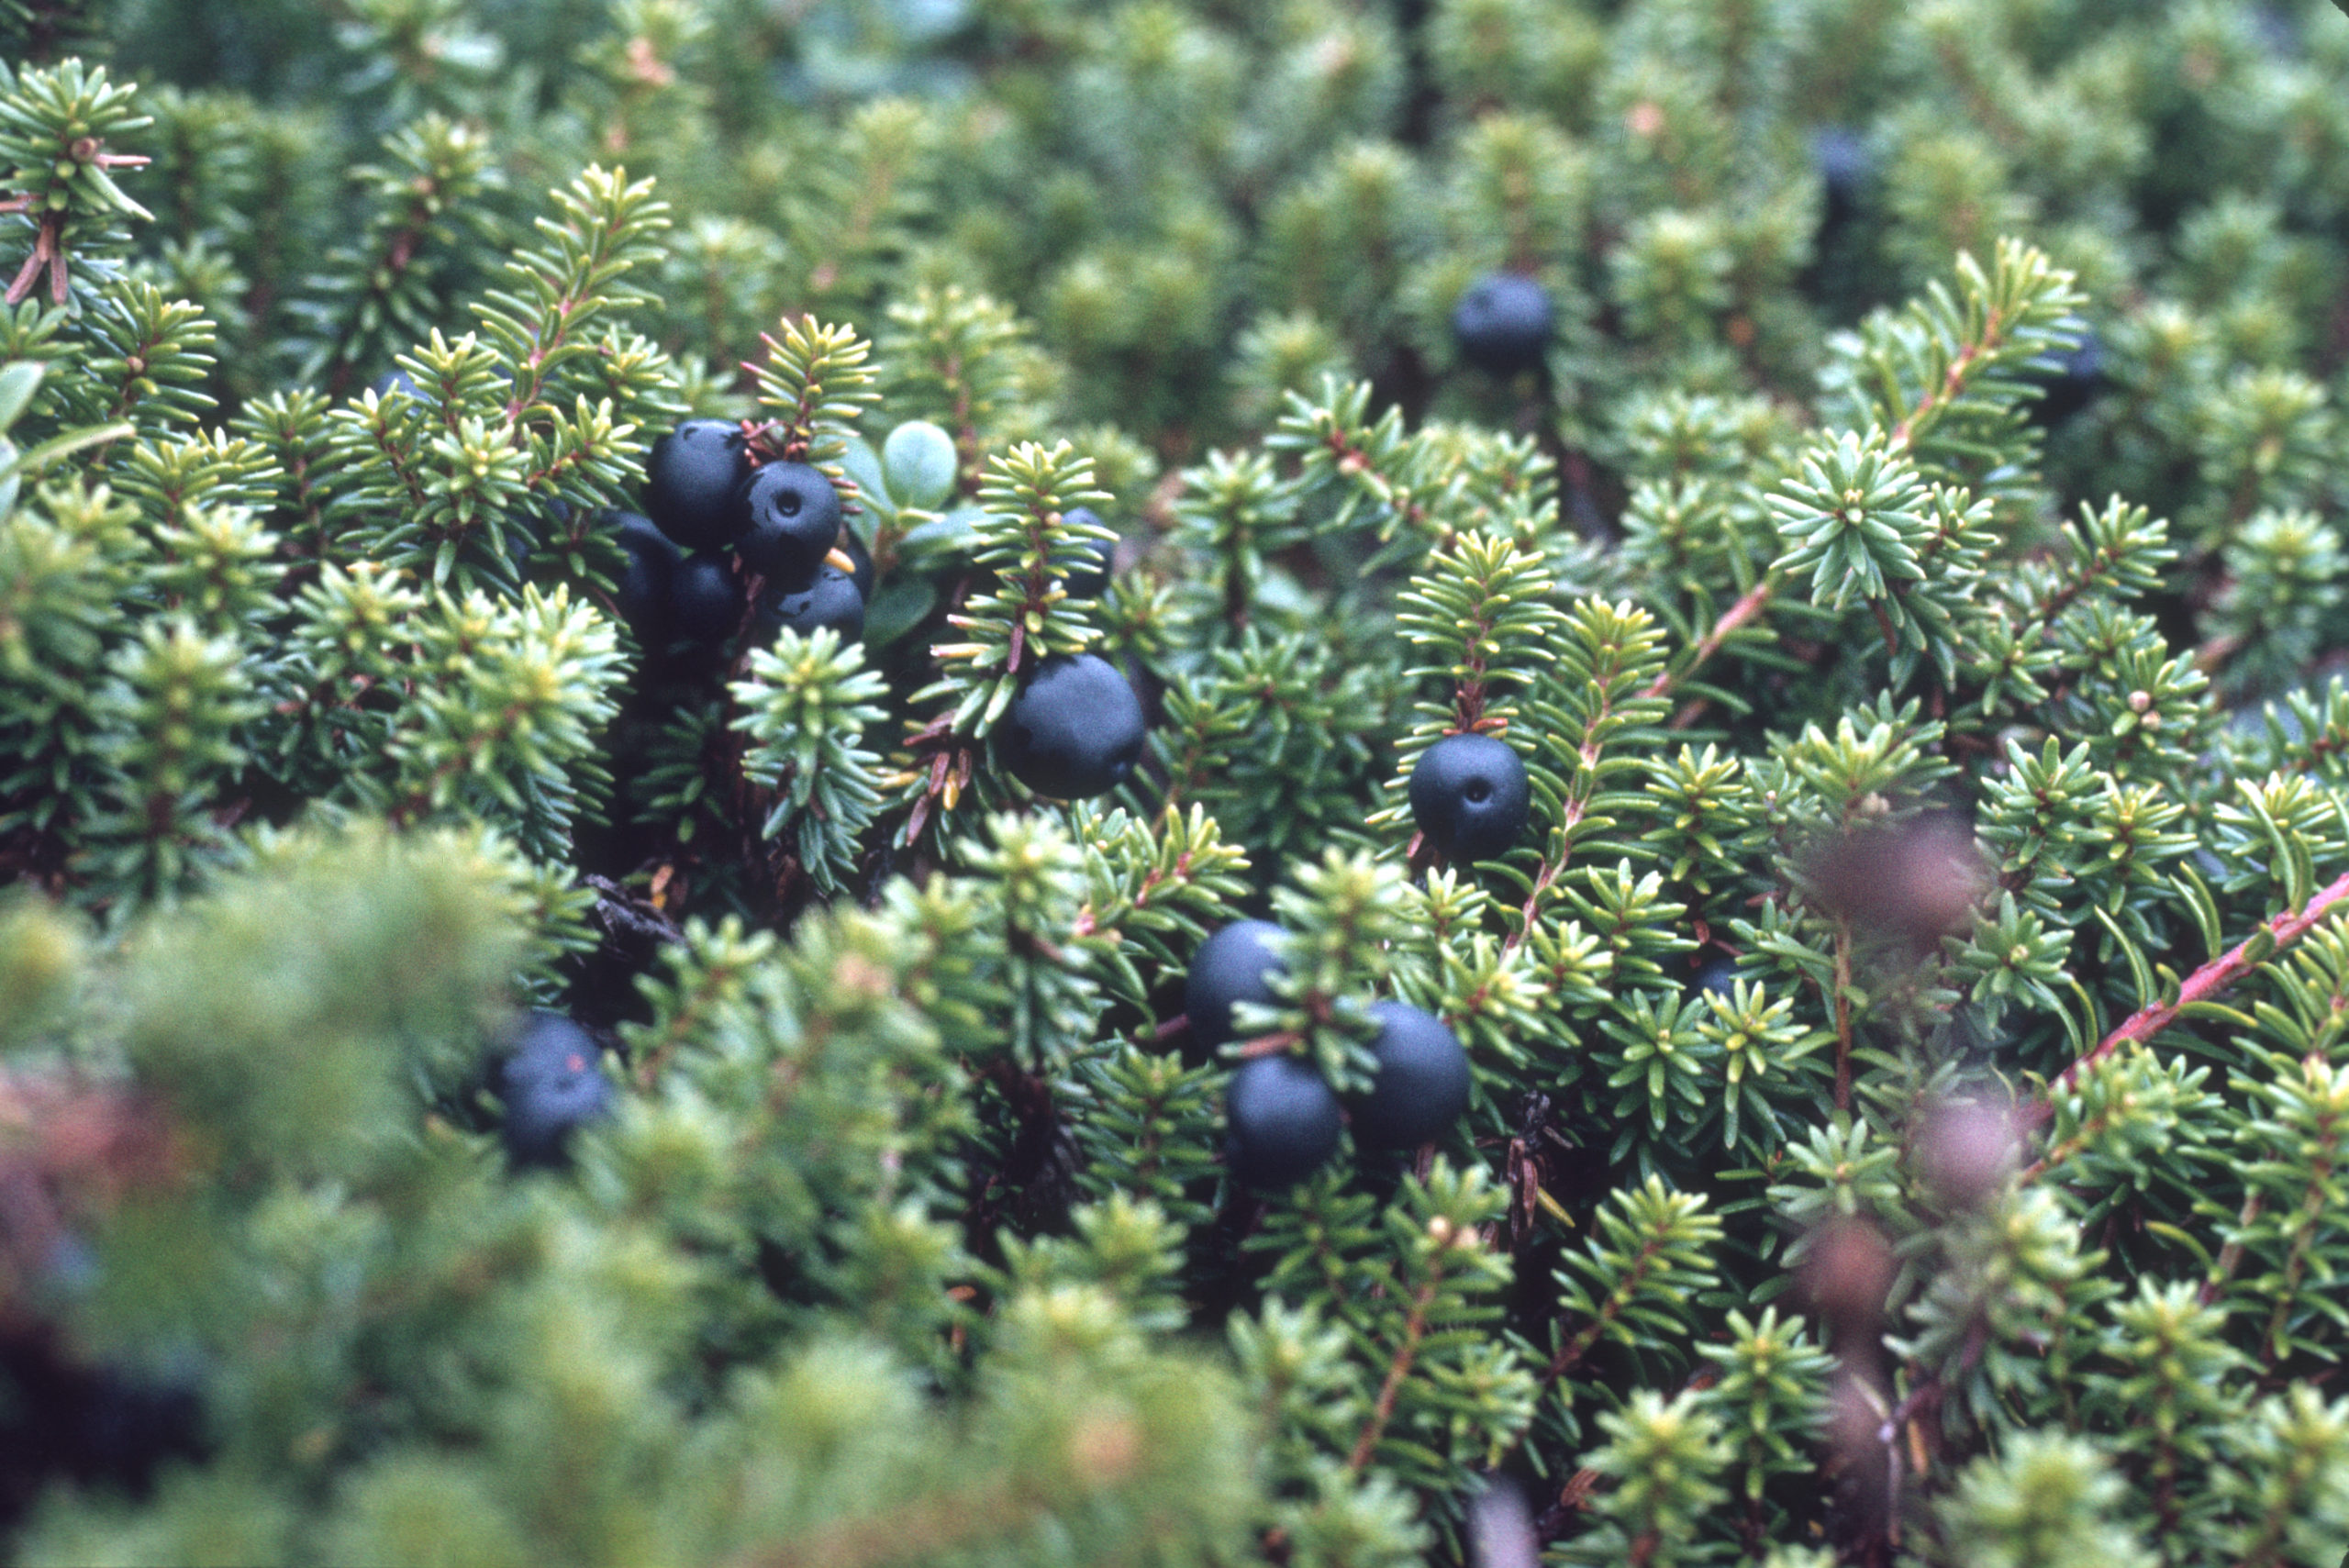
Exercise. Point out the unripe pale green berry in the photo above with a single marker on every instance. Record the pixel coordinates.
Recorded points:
(918, 461)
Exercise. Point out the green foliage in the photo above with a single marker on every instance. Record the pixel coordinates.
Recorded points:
(1910, 1041)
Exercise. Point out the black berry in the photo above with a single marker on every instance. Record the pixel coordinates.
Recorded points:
(1074, 730)
(553, 1084)
(2078, 381)
(1502, 323)
(1235, 964)
(1285, 1121)
(531, 527)
(1718, 978)
(830, 600)
(690, 479)
(1470, 797)
(1845, 170)
(643, 593)
(1420, 1085)
(1090, 579)
(125, 1427)
(704, 599)
(790, 516)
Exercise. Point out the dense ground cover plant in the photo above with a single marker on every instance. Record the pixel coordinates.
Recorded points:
(530, 1037)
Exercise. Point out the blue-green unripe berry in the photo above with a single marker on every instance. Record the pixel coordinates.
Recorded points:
(918, 461)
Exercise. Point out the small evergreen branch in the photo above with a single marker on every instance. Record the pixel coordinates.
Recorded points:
(387, 290)
(1594, 692)
(1948, 363)
(1028, 537)
(805, 705)
(608, 228)
(1647, 1256)
(2206, 982)
(816, 377)
(1399, 1367)
(54, 124)
(1748, 604)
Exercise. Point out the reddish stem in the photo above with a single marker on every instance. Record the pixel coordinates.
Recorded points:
(1756, 600)
(2204, 984)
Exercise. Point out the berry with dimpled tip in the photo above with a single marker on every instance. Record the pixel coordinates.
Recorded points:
(704, 599)
(1284, 1122)
(1419, 1086)
(1470, 797)
(1234, 965)
(790, 516)
(553, 1084)
(830, 600)
(690, 479)
(1502, 324)
(1074, 730)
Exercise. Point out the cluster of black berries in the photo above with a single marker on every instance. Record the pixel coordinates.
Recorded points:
(1283, 1116)
(714, 523)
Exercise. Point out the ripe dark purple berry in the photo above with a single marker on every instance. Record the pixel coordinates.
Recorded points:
(704, 599)
(1235, 964)
(790, 516)
(690, 479)
(1718, 978)
(643, 595)
(552, 1084)
(125, 1427)
(1503, 323)
(2076, 379)
(1074, 730)
(1470, 797)
(1420, 1085)
(1284, 1122)
(1846, 169)
(830, 600)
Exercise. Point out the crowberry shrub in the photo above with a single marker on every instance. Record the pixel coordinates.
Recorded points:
(1682, 903)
